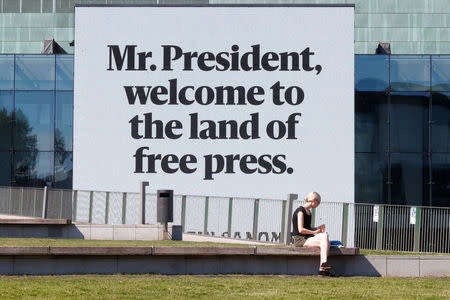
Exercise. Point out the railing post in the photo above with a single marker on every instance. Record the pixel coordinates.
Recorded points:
(44, 203)
(144, 184)
(287, 222)
(9, 200)
(74, 205)
(107, 208)
(21, 201)
(344, 224)
(60, 204)
(91, 204)
(124, 208)
(205, 219)
(417, 229)
(380, 228)
(313, 217)
(230, 215)
(255, 218)
(183, 212)
(283, 220)
(34, 202)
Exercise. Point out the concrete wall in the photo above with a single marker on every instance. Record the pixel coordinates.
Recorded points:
(85, 231)
(399, 266)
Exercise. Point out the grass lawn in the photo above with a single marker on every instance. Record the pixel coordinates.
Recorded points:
(220, 287)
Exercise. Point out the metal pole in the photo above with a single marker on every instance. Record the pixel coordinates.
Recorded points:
(124, 208)
(205, 219)
(60, 204)
(283, 220)
(287, 222)
(230, 215)
(417, 229)
(44, 203)
(91, 204)
(344, 224)
(379, 245)
(34, 202)
(107, 208)
(144, 184)
(183, 212)
(313, 217)
(21, 201)
(255, 218)
(74, 207)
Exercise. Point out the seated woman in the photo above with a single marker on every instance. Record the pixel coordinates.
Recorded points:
(307, 236)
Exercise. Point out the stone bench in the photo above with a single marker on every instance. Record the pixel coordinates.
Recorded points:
(31, 221)
(33, 227)
(173, 251)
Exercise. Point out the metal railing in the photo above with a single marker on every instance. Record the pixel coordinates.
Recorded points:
(36, 202)
(367, 226)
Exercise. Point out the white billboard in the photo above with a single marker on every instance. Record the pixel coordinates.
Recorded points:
(218, 100)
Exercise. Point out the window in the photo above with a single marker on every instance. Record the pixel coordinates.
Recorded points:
(410, 73)
(35, 72)
(371, 72)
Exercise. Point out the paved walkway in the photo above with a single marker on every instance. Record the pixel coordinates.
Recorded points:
(216, 239)
(186, 236)
(15, 217)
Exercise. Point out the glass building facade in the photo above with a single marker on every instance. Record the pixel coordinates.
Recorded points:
(36, 119)
(402, 129)
(402, 126)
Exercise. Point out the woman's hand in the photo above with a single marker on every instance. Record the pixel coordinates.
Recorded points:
(321, 228)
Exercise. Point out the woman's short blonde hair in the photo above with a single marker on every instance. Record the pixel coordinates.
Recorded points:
(313, 196)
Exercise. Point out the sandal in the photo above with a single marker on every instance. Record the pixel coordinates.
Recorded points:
(323, 273)
(325, 266)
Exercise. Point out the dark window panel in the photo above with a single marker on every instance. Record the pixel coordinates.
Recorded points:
(409, 116)
(440, 72)
(183, 2)
(5, 168)
(7, 72)
(64, 72)
(410, 73)
(87, 1)
(65, 5)
(371, 128)
(371, 72)
(440, 166)
(135, 2)
(371, 178)
(11, 6)
(33, 168)
(34, 126)
(64, 121)
(6, 109)
(409, 179)
(63, 170)
(35, 72)
(47, 6)
(31, 6)
(440, 128)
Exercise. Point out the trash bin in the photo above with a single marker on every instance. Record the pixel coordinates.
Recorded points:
(164, 204)
(177, 233)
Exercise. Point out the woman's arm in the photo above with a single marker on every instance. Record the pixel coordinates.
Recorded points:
(303, 230)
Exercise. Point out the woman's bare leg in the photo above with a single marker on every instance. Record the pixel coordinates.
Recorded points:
(319, 241)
